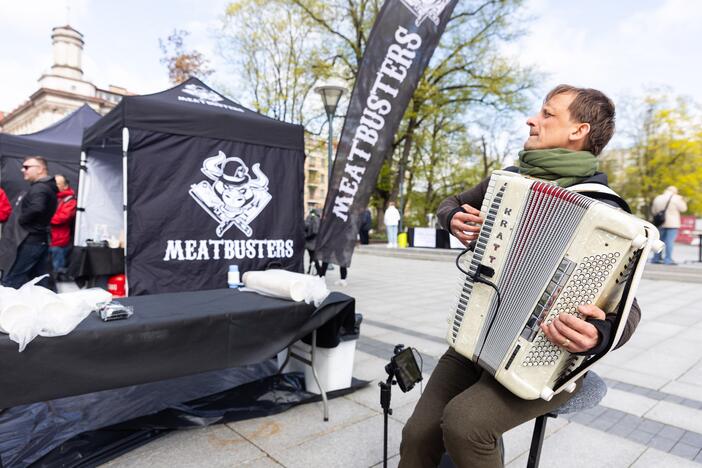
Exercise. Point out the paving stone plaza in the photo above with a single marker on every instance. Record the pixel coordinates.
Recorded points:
(651, 416)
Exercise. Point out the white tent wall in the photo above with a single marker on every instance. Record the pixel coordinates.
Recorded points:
(101, 197)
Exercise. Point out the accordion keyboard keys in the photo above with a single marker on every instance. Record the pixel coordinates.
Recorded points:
(466, 284)
(584, 285)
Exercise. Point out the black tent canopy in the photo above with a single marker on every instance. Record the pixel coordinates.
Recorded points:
(194, 109)
(59, 144)
(199, 181)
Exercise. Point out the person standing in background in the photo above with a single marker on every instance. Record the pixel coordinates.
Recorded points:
(311, 230)
(24, 247)
(364, 230)
(5, 207)
(391, 220)
(673, 204)
(62, 225)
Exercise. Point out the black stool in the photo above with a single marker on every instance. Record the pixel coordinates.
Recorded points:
(592, 391)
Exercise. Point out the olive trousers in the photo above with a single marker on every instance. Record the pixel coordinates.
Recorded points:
(464, 411)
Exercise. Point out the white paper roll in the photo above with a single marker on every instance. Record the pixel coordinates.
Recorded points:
(287, 285)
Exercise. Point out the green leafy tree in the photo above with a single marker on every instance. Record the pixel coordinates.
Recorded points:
(665, 149)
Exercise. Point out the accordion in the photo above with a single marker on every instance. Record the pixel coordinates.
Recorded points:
(543, 251)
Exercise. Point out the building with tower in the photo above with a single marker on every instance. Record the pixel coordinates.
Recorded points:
(62, 89)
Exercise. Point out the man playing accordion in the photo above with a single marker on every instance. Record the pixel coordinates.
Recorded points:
(463, 409)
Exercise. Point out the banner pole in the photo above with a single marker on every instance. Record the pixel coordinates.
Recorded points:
(330, 119)
(402, 197)
(400, 45)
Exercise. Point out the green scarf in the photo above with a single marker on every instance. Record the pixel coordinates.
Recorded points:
(565, 167)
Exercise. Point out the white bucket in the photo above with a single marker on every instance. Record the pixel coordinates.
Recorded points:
(334, 365)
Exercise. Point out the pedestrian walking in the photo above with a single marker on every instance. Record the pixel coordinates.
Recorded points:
(670, 204)
(343, 274)
(391, 220)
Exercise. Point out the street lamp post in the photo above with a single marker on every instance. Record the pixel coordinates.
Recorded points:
(330, 93)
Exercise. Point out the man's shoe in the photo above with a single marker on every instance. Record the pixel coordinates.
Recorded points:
(341, 282)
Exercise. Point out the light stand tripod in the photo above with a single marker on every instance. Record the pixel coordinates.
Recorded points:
(385, 395)
(402, 367)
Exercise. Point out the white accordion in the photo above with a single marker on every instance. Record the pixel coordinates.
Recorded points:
(546, 250)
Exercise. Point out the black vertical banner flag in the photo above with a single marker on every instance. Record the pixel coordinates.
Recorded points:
(402, 41)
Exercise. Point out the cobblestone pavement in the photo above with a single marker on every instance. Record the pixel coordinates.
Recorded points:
(651, 416)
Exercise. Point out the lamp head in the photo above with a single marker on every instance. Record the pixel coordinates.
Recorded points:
(331, 94)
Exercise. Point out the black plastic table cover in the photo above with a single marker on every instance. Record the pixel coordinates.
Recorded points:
(96, 261)
(169, 335)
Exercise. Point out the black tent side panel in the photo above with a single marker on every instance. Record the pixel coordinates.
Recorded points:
(13, 182)
(198, 205)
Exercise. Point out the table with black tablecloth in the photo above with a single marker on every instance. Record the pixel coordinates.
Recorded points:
(170, 335)
(88, 263)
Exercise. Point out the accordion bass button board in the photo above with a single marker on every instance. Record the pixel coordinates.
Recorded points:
(551, 250)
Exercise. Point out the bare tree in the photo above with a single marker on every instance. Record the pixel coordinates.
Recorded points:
(182, 64)
(279, 53)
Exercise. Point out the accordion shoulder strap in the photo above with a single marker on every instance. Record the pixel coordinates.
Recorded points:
(600, 192)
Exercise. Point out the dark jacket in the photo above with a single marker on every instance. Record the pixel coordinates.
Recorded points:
(366, 220)
(38, 207)
(474, 197)
(311, 230)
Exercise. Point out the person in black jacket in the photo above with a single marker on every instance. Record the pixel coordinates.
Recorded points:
(311, 230)
(464, 410)
(24, 252)
(366, 224)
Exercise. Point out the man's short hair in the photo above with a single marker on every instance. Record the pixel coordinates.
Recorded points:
(41, 161)
(593, 107)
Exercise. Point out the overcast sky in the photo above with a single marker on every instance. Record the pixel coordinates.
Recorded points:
(621, 47)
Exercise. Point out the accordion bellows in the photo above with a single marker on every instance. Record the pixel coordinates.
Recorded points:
(547, 251)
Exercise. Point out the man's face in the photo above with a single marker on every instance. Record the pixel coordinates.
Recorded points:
(552, 127)
(32, 170)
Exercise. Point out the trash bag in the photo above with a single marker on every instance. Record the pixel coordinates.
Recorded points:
(264, 397)
(32, 310)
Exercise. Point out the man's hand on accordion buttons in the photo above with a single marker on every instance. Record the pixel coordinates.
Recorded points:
(573, 334)
(466, 226)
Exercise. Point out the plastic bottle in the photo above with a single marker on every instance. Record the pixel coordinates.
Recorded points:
(233, 276)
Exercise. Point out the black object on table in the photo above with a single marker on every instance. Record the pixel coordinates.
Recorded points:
(89, 263)
(170, 335)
